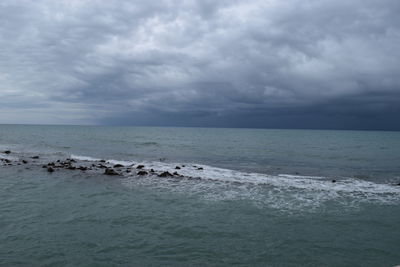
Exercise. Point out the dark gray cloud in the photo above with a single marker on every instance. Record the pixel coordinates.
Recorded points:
(295, 63)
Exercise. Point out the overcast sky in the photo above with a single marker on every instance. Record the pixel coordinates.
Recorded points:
(228, 63)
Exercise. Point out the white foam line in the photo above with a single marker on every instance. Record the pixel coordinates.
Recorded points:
(347, 185)
(83, 158)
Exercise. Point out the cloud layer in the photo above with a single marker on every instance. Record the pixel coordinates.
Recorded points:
(269, 63)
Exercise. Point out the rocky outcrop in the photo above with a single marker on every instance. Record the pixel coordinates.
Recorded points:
(110, 171)
(165, 174)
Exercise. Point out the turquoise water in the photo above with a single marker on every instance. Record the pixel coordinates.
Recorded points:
(263, 198)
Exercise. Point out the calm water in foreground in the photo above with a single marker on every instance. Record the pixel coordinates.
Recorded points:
(263, 197)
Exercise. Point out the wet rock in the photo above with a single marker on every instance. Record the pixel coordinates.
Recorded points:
(44, 166)
(7, 152)
(333, 181)
(140, 167)
(50, 169)
(183, 166)
(165, 174)
(51, 164)
(71, 167)
(7, 161)
(82, 168)
(142, 173)
(35, 157)
(102, 160)
(200, 168)
(24, 161)
(151, 170)
(177, 168)
(176, 173)
(109, 171)
(71, 160)
(118, 166)
(101, 166)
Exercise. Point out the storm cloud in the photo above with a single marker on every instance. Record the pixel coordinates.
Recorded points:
(284, 64)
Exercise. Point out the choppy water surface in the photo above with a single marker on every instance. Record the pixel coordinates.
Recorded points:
(243, 196)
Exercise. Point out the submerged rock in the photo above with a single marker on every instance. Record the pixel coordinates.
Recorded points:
(333, 181)
(24, 161)
(109, 171)
(50, 169)
(118, 166)
(140, 167)
(7, 152)
(200, 168)
(177, 168)
(165, 174)
(35, 157)
(142, 173)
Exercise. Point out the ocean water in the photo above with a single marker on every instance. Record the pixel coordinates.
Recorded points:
(246, 197)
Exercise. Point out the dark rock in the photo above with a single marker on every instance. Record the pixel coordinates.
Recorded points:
(109, 171)
(176, 173)
(183, 166)
(164, 174)
(200, 168)
(177, 168)
(7, 161)
(102, 160)
(118, 166)
(7, 152)
(82, 168)
(140, 167)
(71, 160)
(51, 164)
(71, 167)
(44, 166)
(101, 166)
(151, 170)
(35, 157)
(142, 173)
(50, 169)
(24, 162)
(398, 184)
(333, 181)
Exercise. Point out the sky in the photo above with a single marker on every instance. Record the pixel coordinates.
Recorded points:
(320, 64)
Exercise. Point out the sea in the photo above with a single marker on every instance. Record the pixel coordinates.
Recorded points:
(242, 197)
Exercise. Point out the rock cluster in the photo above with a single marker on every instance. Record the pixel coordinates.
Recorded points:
(111, 170)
